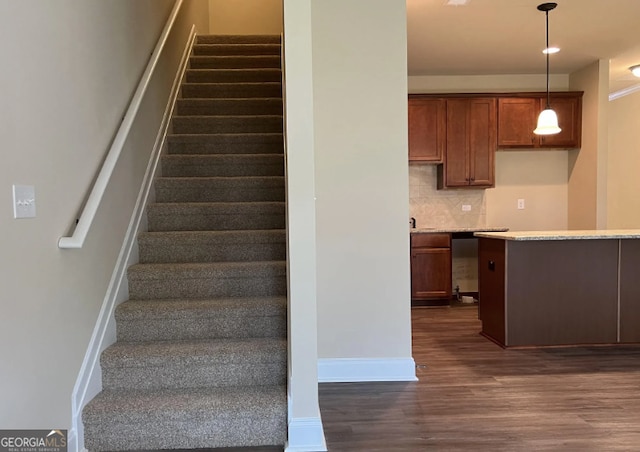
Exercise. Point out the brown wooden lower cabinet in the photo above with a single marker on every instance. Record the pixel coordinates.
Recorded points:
(559, 292)
(430, 269)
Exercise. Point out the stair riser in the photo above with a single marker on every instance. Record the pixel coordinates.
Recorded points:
(235, 62)
(229, 107)
(223, 167)
(211, 252)
(233, 76)
(231, 90)
(204, 328)
(200, 222)
(222, 124)
(215, 145)
(238, 39)
(201, 376)
(236, 49)
(196, 194)
(207, 288)
(203, 433)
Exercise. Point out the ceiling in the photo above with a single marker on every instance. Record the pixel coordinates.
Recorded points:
(507, 37)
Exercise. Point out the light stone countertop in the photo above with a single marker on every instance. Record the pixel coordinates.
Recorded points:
(592, 234)
(453, 230)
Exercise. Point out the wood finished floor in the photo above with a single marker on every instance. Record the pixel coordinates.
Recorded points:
(475, 396)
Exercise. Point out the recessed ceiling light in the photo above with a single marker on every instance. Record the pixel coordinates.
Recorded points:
(457, 2)
(551, 50)
(635, 70)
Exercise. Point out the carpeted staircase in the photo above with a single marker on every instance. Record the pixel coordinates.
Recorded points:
(201, 354)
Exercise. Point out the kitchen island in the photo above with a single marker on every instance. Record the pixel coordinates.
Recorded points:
(559, 287)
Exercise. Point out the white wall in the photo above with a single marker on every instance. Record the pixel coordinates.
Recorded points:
(245, 17)
(74, 65)
(305, 426)
(360, 119)
(623, 206)
(538, 177)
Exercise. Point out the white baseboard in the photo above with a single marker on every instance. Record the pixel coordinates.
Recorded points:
(306, 435)
(343, 370)
(89, 381)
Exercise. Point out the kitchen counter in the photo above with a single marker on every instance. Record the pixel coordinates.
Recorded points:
(562, 235)
(456, 230)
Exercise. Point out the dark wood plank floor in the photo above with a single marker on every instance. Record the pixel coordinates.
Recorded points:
(473, 395)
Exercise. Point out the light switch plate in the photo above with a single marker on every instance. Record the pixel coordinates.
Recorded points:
(466, 207)
(24, 201)
(520, 204)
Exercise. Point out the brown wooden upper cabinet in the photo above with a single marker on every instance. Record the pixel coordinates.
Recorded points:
(517, 117)
(470, 144)
(427, 130)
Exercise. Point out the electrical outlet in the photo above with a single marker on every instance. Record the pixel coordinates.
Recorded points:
(520, 204)
(24, 201)
(466, 208)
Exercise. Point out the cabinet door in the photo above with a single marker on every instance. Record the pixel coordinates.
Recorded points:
(430, 273)
(427, 129)
(569, 111)
(482, 142)
(456, 165)
(517, 118)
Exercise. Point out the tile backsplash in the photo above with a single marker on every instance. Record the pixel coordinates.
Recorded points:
(442, 208)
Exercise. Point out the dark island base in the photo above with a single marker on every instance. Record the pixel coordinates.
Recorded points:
(559, 292)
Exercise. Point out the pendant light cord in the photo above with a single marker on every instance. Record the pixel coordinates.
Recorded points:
(547, 52)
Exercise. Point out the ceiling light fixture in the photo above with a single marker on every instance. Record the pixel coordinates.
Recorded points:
(635, 70)
(551, 50)
(548, 119)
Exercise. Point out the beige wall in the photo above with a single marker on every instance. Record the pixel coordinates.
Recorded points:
(74, 67)
(361, 173)
(623, 206)
(588, 166)
(538, 177)
(245, 17)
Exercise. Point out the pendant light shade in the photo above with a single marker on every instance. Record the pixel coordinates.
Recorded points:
(548, 119)
(547, 123)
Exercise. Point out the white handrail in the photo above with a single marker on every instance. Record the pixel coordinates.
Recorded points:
(97, 192)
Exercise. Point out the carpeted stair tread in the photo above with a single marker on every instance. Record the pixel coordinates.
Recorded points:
(229, 106)
(211, 270)
(220, 189)
(233, 75)
(231, 90)
(212, 165)
(185, 319)
(188, 353)
(235, 62)
(194, 363)
(226, 143)
(238, 39)
(186, 418)
(218, 216)
(228, 124)
(180, 309)
(236, 49)
(212, 246)
(207, 280)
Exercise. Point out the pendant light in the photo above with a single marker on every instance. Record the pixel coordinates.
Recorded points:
(548, 120)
